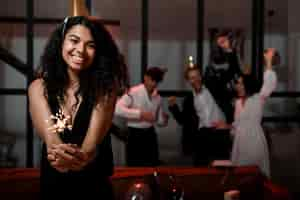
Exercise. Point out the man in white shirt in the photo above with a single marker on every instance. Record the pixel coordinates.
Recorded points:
(208, 143)
(142, 108)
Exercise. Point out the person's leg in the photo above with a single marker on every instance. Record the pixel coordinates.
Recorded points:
(221, 142)
(201, 148)
(142, 147)
(148, 149)
(133, 147)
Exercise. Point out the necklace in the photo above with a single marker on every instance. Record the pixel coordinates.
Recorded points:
(69, 107)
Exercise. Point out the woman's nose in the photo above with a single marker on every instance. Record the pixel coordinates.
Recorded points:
(80, 47)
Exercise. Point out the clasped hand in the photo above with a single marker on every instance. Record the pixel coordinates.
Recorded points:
(65, 157)
(221, 125)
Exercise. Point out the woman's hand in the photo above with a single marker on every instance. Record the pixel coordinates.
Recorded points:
(54, 159)
(268, 55)
(147, 116)
(65, 157)
(172, 100)
(221, 125)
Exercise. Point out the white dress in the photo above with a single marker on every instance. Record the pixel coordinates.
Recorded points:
(249, 145)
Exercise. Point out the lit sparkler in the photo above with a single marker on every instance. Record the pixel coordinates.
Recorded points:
(61, 122)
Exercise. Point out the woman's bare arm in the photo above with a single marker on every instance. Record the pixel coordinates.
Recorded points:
(100, 123)
(41, 119)
(40, 113)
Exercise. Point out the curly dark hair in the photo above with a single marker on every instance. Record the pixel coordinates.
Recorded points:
(156, 73)
(106, 74)
(250, 84)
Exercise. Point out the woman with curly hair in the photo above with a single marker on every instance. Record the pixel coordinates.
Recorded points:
(71, 103)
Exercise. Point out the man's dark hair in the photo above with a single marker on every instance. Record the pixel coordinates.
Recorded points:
(156, 73)
(224, 33)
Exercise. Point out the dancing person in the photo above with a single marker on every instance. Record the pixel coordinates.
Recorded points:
(141, 107)
(198, 117)
(250, 145)
(222, 71)
(71, 104)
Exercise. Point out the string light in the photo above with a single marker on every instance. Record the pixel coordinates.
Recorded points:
(191, 62)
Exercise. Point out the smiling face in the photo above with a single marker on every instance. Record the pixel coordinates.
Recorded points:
(149, 84)
(79, 48)
(194, 79)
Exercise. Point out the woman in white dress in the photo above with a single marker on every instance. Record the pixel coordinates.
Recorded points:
(250, 145)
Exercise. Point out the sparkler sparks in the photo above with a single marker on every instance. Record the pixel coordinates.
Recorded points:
(61, 122)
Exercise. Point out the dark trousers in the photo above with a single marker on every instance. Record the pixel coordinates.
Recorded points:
(211, 144)
(142, 147)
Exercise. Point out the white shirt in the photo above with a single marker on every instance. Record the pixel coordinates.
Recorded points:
(131, 105)
(206, 108)
(269, 85)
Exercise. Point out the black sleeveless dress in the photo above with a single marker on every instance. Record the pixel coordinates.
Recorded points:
(93, 181)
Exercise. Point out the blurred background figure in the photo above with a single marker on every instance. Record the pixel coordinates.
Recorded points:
(222, 71)
(250, 146)
(198, 115)
(141, 107)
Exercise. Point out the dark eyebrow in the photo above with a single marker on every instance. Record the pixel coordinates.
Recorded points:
(73, 35)
(78, 38)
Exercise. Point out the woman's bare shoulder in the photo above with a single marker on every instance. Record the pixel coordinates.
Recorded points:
(36, 86)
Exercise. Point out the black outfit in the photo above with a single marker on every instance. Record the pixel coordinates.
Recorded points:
(188, 119)
(93, 180)
(211, 144)
(205, 144)
(219, 79)
(142, 147)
